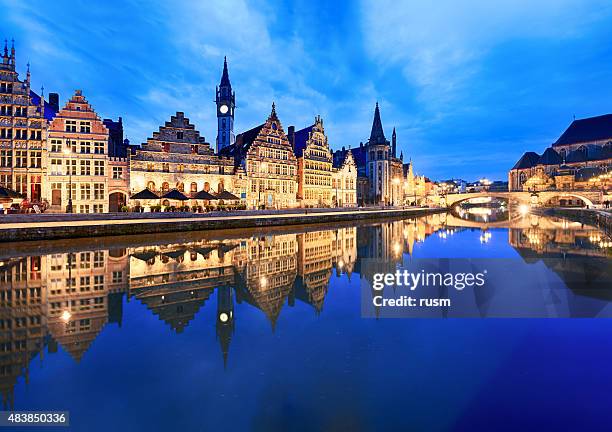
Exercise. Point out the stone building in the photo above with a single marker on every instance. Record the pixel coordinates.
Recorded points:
(78, 162)
(266, 156)
(314, 158)
(379, 170)
(23, 129)
(178, 157)
(579, 159)
(344, 181)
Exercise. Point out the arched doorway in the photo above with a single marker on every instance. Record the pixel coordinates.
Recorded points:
(116, 200)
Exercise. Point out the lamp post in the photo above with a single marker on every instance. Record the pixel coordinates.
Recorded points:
(68, 153)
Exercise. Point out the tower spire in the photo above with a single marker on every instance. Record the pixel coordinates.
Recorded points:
(28, 74)
(13, 51)
(5, 49)
(377, 136)
(273, 113)
(225, 81)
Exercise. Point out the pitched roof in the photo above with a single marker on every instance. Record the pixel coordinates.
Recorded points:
(550, 157)
(377, 136)
(587, 130)
(49, 110)
(528, 160)
(300, 140)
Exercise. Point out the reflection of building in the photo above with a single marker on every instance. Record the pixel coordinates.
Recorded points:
(68, 296)
(314, 165)
(78, 159)
(265, 154)
(23, 124)
(177, 157)
(579, 159)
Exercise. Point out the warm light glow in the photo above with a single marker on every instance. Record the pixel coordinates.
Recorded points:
(397, 248)
(66, 315)
(524, 209)
(263, 281)
(66, 151)
(396, 181)
(340, 264)
(223, 317)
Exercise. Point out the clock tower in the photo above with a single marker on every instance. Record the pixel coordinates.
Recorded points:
(226, 102)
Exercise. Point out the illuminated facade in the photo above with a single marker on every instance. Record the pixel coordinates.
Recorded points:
(344, 181)
(78, 162)
(266, 156)
(178, 157)
(314, 165)
(23, 129)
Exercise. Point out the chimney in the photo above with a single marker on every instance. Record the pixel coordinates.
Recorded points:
(54, 101)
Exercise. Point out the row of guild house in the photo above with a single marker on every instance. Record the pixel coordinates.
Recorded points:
(70, 159)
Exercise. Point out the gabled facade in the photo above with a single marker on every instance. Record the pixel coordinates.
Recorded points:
(267, 158)
(344, 182)
(78, 163)
(314, 165)
(23, 128)
(178, 157)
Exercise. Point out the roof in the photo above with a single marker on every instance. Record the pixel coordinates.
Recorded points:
(587, 130)
(584, 174)
(377, 136)
(300, 140)
(528, 160)
(550, 157)
(49, 111)
(242, 144)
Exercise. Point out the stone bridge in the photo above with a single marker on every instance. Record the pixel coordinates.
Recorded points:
(516, 199)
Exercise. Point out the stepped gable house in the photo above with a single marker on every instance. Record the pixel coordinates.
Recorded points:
(178, 157)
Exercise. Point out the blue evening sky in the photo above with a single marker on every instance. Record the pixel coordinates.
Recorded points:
(469, 85)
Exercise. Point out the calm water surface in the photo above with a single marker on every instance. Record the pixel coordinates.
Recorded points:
(262, 331)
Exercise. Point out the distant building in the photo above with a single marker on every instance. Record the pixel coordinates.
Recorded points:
(583, 152)
(117, 146)
(178, 157)
(78, 163)
(23, 128)
(266, 156)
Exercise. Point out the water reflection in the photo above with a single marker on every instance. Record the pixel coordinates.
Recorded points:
(67, 298)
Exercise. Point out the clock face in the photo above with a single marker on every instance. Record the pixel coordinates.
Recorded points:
(223, 109)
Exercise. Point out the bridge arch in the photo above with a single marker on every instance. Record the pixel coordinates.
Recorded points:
(560, 195)
(454, 199)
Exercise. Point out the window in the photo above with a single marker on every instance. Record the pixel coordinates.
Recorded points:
(98, 259)
(71, 126)
(35, 159)
(85, 127)
(86, 167)
(84, 208)
(98, 147)
(150, 167)
(179, 135)
(151, 186)
(180, 186)
(165, 187)
(71, 167)
(98, 191)
(85, 147)
(166, 147)
(99, 168)
(98, 208)
(56, 167)
(165, 167)
(21, 158)
(194, 187)
(117, 173)
(85, 192)
(117, 276)
(56, 146)
(6, 158)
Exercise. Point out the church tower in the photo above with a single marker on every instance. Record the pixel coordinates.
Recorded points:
(226, 102)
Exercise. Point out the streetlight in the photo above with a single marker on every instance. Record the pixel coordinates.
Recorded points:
(68, 153)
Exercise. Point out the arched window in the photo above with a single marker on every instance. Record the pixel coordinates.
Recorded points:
(151, 186)
(207, 187)
(194, 187)
(180, 186)
(220, 187)
(166, 167)
(165, 187)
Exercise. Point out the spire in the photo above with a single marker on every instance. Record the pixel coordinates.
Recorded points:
(377, 136)
(273, 113)
(394, 143)
(5, 49)
(13, 51)
(225, 81)
(28, 74)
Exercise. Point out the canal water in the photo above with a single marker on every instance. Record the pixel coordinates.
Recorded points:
(253, 330)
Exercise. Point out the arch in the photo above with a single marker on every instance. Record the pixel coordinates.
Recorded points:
(180, 186)
(151, 186)
(207, 187)
(454, 199)
(220, 187)
(193, 187)
(165, 187)
(564, 196)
